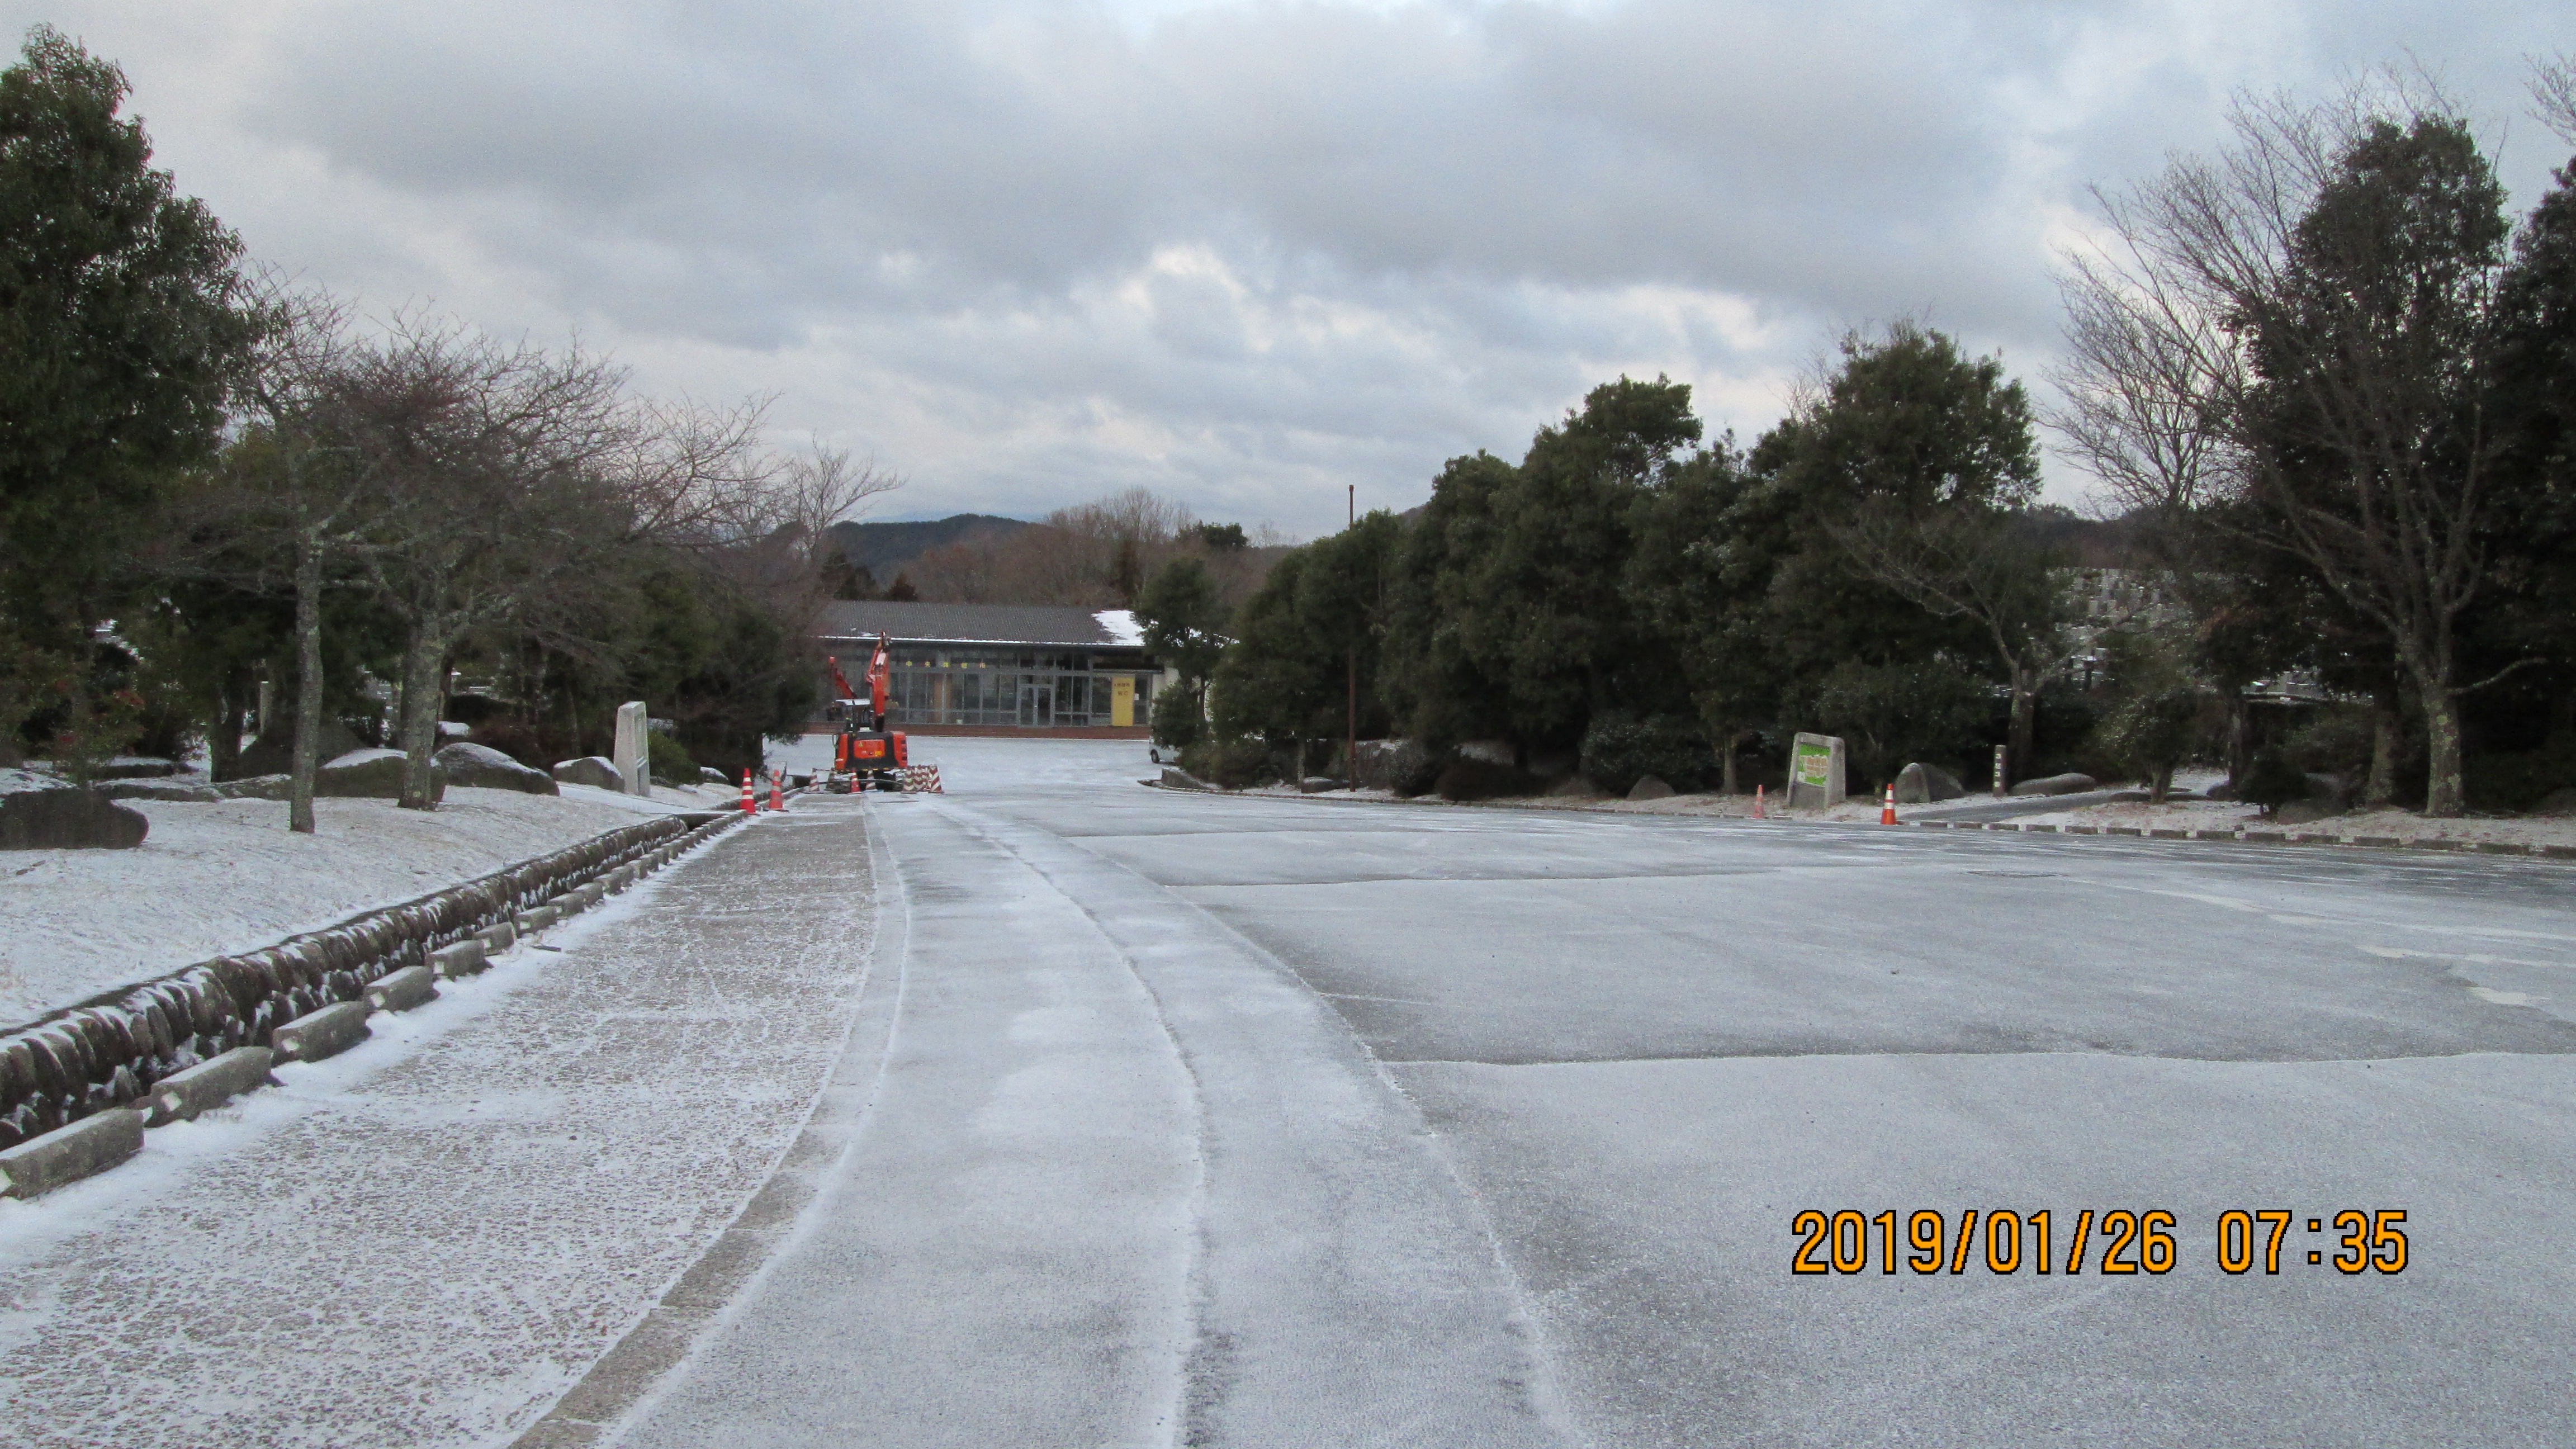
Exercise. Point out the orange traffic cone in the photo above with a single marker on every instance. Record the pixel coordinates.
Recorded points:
(1757, 804)
(777, 797)
(749, 806)
(1887, 810)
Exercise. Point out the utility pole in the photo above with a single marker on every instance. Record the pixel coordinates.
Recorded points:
(1351, 743)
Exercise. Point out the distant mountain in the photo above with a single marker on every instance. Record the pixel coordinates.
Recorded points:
(876, 546)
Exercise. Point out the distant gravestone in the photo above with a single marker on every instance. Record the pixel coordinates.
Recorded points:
(1816, 772)
(632, 756)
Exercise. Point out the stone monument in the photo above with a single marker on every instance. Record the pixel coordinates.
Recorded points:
(633, 756)
(1816, 772)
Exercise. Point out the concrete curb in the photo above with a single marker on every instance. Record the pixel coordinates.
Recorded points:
(411, 986)
(325, 1033)
(208, 1085)
(304, 999)
(68, 1154)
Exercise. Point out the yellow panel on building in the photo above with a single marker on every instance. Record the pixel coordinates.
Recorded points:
(1122, 701)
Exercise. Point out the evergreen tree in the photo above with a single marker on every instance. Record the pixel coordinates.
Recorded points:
(119, 331)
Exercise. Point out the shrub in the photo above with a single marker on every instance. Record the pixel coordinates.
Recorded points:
(2272, 782)
(1232, 764)
(1619, 749)
(1465, 779)
(1178, 721)
(2335, 739)
(2152, 733)
(668, 758)
(2519, 779)
(1891, 714)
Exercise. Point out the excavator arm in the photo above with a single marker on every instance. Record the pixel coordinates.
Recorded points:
(881, 677)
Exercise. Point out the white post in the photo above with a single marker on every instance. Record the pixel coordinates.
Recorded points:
(634, 758)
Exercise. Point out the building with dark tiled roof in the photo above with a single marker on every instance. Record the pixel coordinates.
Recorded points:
(1001, 668)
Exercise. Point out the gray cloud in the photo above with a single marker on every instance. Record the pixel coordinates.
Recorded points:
(1245, 253)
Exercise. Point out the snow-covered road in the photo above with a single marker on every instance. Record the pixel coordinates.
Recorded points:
(1500, 1122)
(1165, 1118)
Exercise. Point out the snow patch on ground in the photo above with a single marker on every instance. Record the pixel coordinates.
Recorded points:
(229, 876)
(423, 1241)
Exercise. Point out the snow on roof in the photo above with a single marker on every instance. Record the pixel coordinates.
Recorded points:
(1048, 625)
(1122, 626)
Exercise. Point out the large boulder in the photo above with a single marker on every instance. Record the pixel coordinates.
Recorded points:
(258, 787)
(135, 767)
(482, 767)
(1577, 786)
(2561, 801)
(1921, 784)
(2055, 785)
(274, 752)
(190, 791)
(371, 775)
(597, 771)
(68, 819)
(1650, 787)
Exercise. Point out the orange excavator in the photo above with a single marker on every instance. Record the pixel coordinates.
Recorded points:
(865, 752)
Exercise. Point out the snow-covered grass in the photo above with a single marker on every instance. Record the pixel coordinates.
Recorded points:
(229, 876)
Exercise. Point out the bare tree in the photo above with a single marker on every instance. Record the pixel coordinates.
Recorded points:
(309, 507)
(2553, 94)
(2286, 340)
(487, 473)
(781, 531)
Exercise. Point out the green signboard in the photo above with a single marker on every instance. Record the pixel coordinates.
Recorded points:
(1815, 765)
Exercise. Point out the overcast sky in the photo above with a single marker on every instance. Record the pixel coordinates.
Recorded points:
(1025, 254)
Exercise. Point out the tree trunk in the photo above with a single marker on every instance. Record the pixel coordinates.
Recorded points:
(308, 682)
(2444, 795)
(2161, 786)
(1726, 761)
(2386, 736)
(2240, 736)
(223, 742)
(424, 675)
(2025, 725)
